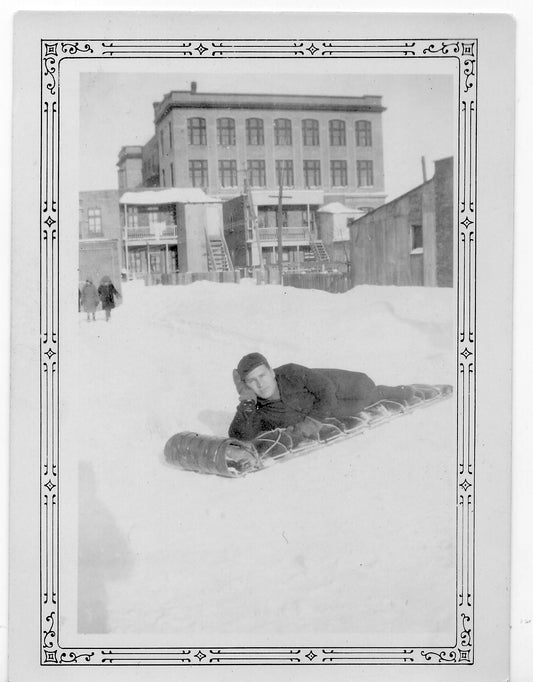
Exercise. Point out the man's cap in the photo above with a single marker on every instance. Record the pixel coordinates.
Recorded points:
(250, 362)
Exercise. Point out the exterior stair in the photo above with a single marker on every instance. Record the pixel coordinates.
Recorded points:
(318, 248)
(218, 255)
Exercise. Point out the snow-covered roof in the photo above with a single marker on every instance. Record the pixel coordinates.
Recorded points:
(337, 207)
(291, 197)
(170, 195)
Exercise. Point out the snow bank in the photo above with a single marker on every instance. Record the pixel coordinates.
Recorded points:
(322, 545)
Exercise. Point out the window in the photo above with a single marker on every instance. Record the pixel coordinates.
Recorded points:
(198, 173)
(227, 172)
(363, 133)
(226, 131)
(337, 133)
(162, 141)
(153, 215)
(171, 174)
(196, 131)
(170, 142)
(339, 174)
(94, 216)
(133, 216)
(310, 132)
(257, 173)
(163, 178)
(282, 132)
(312, 173)
(285, 173)
(137, 260)
(255, 131)
(417, 239)
(365, 174)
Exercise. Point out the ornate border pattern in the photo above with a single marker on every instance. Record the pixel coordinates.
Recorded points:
(464, 52)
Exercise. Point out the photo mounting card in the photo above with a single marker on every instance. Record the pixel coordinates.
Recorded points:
(330, 190)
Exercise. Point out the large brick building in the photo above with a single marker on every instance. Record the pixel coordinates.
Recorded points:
(213, 141)
(237, 149)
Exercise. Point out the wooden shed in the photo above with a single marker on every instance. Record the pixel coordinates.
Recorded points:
(408, 241)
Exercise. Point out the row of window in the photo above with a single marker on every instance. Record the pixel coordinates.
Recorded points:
(227, 173)
(255, 132)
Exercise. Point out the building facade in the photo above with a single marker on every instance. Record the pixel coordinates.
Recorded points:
(216, 141)
(408, 241)
(150, 163)
(251, 230)
(130, 167)
(166, 231)
(100, 251)
(334, 233)
(99, 215)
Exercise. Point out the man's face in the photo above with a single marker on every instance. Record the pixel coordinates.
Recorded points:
(262, 381)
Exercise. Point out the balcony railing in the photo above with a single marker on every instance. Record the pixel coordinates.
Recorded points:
(270, 234)
(151, 232)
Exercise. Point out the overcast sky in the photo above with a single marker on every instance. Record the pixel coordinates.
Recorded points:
(116, 109)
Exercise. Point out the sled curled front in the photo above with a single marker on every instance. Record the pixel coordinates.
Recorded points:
(210, 454)
(233, 458)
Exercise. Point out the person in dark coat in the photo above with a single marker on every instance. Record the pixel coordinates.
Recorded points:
(296, 396)
(89, 299)
(107, 293)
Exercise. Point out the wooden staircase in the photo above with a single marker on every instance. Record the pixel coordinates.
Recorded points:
(218, 254)
(319, 250)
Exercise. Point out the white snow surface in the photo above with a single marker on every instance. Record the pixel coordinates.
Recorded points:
(352, 544)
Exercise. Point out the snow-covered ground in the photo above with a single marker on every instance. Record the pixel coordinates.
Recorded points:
(353, 544)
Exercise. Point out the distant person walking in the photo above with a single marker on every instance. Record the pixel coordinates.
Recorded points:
(107, 293)
(89, 299)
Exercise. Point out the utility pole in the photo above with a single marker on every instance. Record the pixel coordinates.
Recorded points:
(126, 255)
(280, 228)
(279, 225)
(252, 221)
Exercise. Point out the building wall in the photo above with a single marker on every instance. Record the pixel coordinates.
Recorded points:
(381, 250)
(183, 261)
(381, 242)
(150, 163)
(130, 167)
(130, 174)
(444, 221)
(106, 202)
(235, 230)
(192, 220)
(180, 152)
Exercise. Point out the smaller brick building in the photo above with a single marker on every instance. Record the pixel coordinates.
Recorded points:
(408, 241)
(100, 236)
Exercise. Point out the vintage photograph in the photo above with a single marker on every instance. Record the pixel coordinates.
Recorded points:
(266, 273)
(259, 427)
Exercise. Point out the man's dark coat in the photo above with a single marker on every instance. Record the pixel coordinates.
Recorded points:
(304, 392)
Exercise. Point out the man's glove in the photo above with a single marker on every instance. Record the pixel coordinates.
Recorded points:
(245, 393)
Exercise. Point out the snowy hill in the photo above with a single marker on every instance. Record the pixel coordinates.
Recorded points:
(355, 538)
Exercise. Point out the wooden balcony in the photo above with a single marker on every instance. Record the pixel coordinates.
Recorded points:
(153, 233)
(295, 234)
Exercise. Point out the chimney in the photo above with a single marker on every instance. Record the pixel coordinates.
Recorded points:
(193, 87)
(424, 174)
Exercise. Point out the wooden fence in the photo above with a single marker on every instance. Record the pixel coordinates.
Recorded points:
(333, 282)
(221, 277)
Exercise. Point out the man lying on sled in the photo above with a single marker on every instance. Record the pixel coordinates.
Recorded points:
(295, 396)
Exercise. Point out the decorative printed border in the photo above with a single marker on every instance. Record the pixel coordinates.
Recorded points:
(461, 651)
